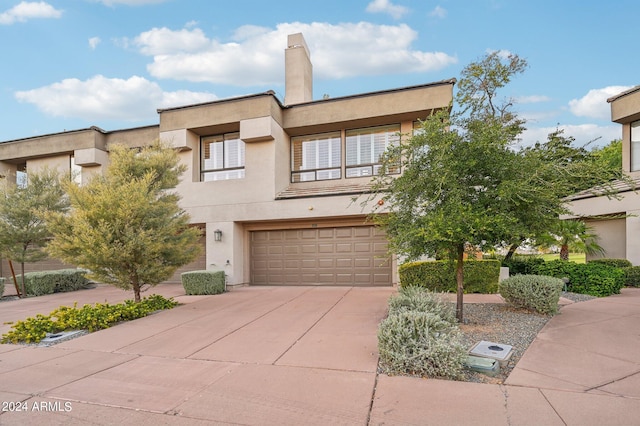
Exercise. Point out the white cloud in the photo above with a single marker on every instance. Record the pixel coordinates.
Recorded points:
(385, 6)
(102, 98)
(591, 135)
(255, 56)
(94, 42)
(594, 104)
(28, 10)
(533, 99)
(438, 12)
(130, 2)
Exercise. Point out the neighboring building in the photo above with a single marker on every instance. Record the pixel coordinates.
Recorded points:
(617, 221)
(271, 185)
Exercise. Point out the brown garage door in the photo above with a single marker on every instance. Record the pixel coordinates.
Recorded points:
(355, 255)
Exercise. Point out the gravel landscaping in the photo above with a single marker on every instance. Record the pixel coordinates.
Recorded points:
(500, 323)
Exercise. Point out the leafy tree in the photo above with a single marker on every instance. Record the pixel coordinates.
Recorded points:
(126, 227)
(460, 180)
(610, 157)
(565, 169)
(23, 230)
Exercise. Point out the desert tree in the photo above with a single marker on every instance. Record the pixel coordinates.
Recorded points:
(126, 226)
(24, 232)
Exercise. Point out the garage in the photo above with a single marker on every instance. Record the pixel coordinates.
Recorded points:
(352, 256)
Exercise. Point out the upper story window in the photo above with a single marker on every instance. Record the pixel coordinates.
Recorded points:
(21, 175)
(222, 157)
(635, 146)
(365, 146)
(316, 157)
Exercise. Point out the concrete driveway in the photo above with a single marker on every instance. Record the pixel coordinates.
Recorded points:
(255, 355)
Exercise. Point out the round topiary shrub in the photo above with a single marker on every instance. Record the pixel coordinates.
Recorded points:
(420, 343)
(538, 293)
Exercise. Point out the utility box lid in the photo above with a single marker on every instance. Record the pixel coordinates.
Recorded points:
(493, 350)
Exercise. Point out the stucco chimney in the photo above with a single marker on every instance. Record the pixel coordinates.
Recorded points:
(298, 71)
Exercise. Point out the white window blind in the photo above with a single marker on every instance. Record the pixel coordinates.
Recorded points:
(365, 146)
(635, 146)
(222, 157)
(319, 155)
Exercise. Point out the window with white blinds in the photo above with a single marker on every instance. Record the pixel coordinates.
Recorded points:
(635, 146)
(316, 157)
(222, 157)
(365, 146)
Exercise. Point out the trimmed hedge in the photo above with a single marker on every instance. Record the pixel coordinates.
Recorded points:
(632, 276)
(618, 263)
(203, 282)
(534, 292)
(47, 282)
(593, 278)
(522, 265)
(480, 276)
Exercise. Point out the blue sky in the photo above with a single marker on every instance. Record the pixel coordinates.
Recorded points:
(72, 64)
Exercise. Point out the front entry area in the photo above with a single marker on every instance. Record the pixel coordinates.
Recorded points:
(349, 256)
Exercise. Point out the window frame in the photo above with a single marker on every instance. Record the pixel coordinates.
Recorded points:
(226, 171)
(368, 169)
(634, 146)
(313, 172)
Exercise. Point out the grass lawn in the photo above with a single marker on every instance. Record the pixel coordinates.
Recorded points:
(573, 257)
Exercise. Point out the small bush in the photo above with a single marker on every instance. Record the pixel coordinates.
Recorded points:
(421, 300)
(522, 265)
(480, 276)
(618, 263)
(595, 279)
(420, 343)
(89, 317)
(203, 282)
(534, 292)
(47, 282)
(632, 276)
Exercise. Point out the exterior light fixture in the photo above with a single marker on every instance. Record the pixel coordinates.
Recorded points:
(217, 235)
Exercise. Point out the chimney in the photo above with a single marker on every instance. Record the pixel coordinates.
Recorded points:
(298, 71)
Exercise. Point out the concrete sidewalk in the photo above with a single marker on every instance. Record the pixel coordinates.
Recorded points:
(307, 355)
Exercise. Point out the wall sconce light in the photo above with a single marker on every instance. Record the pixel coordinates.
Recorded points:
(217, 235)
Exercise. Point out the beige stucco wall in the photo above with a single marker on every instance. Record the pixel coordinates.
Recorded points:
(611, 237)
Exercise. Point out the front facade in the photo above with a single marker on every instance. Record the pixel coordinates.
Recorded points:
(271, 185)
(617, 221)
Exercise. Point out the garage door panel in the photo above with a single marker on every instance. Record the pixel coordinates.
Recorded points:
(323, 256)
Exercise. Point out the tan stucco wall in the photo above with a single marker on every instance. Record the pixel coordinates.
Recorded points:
(611, 237)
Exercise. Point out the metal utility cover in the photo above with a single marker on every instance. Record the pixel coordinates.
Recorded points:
(493, 350)
(483, 365)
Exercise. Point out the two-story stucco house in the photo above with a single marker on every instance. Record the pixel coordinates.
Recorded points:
(270, 183)
(617, 221)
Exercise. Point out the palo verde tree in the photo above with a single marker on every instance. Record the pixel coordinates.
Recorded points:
(24, 232)
(126, 227)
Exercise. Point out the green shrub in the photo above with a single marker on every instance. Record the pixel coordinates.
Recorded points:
(420, 343)
(89, 317)
(619, 263)
(1, 286)
(480, 276)
(534, 292)
(632, 276)
(522, 265)
(595, 279)
(47, 282)
(203, 282)
(422, 300)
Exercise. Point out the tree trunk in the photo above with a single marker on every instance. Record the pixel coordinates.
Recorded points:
(564, 252)
(460, 282)
(24, 289)
(15, 280)
(511, 251)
